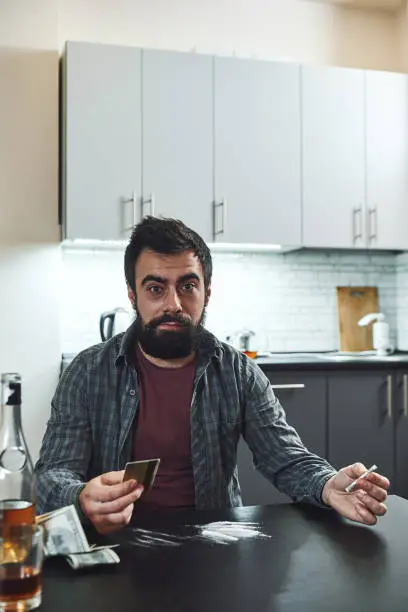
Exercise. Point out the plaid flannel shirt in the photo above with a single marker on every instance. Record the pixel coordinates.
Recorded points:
(92, 422)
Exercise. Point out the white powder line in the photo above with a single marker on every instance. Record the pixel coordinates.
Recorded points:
(221, 532)
(222, 538)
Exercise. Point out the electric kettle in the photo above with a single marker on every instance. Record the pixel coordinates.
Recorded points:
(114, 322)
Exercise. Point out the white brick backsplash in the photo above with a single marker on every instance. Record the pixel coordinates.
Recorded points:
(288, 300)
(402, 300)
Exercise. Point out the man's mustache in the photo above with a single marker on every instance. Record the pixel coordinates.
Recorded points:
(184, 321)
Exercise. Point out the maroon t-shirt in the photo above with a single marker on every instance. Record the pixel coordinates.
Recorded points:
(163, 431)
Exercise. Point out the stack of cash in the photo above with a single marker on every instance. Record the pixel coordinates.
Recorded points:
(64, 535)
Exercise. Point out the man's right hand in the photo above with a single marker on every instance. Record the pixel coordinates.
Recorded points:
(108, 501)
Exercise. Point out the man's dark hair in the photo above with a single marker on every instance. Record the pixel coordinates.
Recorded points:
(166, 236)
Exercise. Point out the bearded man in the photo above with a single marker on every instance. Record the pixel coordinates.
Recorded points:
(167, 388)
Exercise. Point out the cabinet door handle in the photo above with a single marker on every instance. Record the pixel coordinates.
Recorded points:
(219, 206)
(389, 396)
(132, 200)
(294, 386)
(372, 223)
(357, 233)
(149, 200)
(405, 383)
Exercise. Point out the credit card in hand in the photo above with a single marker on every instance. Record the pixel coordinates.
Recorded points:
(142, 471)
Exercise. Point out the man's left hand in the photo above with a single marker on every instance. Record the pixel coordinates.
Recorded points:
(365, 502)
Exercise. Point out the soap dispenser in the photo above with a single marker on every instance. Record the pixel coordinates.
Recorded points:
(381, 332)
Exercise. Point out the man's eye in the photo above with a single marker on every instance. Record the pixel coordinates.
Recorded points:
(188, 287)
(154, 289)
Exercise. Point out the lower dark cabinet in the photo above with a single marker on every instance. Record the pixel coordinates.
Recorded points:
(368, 422)
(400, 411)
(361, 419)
(345, 415)
(303, 396)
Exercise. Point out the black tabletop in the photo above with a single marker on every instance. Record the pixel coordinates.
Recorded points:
(304, 558)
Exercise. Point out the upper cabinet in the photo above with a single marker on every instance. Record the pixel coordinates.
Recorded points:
(355, 158)
(243, 151)
(138, 139)
(257, 152)
(387, 160)
(178, 137)
(333, 152)
(102, 136)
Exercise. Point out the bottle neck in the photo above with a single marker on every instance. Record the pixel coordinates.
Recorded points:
(11, 422)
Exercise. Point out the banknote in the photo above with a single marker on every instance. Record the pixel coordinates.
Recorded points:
(64, 535)
(92, 558)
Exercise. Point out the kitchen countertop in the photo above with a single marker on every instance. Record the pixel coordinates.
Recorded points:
(331, 361)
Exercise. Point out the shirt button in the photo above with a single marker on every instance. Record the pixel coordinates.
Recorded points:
(132, 392)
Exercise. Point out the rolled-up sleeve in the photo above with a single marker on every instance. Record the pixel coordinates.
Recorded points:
(277, 449)
(66, 448)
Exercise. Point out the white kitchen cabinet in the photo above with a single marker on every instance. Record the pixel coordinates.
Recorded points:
(178, 137)
(333, 157)
(243, 151)
(257, 152)
(387, 160)
(102, 141)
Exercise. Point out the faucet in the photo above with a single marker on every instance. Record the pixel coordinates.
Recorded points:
(241, 339)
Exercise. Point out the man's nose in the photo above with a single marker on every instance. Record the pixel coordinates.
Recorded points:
(173, 303)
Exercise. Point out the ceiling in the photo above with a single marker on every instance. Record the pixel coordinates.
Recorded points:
(388, 5)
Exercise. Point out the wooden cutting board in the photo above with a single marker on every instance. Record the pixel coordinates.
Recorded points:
(352, 304)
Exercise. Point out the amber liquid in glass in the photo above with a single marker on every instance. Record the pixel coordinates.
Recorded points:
(18, 582)
(15, 512)
(251, 354)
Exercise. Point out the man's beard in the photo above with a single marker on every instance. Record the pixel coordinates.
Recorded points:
(164, 344)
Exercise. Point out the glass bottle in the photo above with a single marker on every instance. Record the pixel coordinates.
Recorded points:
(17, 482)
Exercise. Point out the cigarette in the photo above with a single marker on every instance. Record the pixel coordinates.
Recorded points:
(353, 484)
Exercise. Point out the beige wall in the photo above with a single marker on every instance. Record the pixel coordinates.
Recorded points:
(28, 24)
(283, 29)
(28, 121)
(367, 39)
(29, 249)
(403, 38)
(29, 145)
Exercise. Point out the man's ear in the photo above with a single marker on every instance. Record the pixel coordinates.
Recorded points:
(207, 295)
(131, 295)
